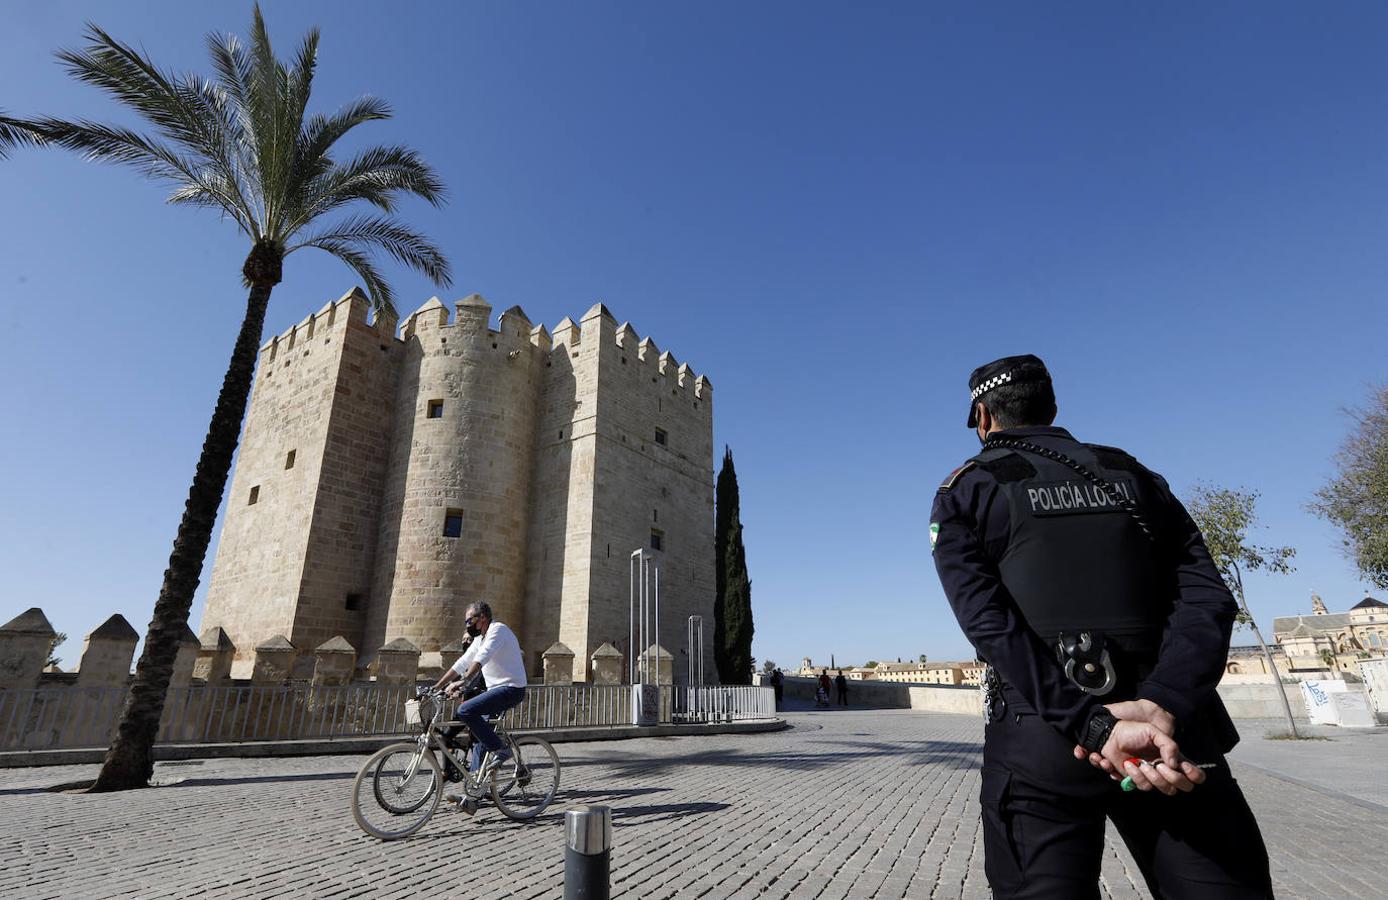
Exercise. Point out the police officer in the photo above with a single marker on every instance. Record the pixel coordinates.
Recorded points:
(1087, 588)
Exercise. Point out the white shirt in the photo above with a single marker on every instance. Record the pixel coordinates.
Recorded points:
(499, 654)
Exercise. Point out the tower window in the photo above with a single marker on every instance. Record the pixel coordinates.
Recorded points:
(453, 523)
(353, 602)
(435, 409)
(657, 539)
(255, 496)
(655, 515)
(289, 459)
(661, 437)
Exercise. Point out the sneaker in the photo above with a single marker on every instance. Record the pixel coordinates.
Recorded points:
(463, 804)
(492, 761)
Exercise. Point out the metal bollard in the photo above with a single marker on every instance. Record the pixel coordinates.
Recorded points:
(588, 851)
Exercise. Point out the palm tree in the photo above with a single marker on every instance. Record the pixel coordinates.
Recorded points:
(242, 144)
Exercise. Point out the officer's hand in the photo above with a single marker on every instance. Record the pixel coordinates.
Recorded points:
(1168, 780)
(1132, 711)
(1144, 711)
(1142, 740)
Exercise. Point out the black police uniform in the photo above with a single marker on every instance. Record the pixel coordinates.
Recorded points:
(1028, 550)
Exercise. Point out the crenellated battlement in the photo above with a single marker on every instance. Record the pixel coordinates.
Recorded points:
(472, 315)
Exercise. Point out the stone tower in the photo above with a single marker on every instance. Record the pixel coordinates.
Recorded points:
(385, 482)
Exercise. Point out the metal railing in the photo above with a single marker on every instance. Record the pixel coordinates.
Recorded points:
(724, 704)
(74, 717)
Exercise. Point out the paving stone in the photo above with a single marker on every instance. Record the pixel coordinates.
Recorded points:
(857, 804)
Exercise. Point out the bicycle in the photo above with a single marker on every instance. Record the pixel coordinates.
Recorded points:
(405, 781)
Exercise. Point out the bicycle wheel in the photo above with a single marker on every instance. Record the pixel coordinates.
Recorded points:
(399, 786)
(525, 785)
(396, 791)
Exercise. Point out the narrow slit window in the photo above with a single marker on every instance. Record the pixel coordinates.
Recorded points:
(352, 602)
(255, 496)
(657, 539)
(289, 459)
(436, 409)
(453, 523)
(661, 437)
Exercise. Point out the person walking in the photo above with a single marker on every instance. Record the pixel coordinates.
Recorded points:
(1087, 588)
(841, 685)
(825, 686)
(778, 685)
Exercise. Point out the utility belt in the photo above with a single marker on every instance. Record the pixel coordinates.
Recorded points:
(1095, 663)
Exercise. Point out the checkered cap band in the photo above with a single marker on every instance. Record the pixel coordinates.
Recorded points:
(988, 385)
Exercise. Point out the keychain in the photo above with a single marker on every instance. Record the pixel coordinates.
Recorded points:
(1128, 785)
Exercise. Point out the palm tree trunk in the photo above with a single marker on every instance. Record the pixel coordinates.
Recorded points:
(130, 761)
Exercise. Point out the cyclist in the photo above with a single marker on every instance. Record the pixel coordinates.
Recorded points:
(496, 654)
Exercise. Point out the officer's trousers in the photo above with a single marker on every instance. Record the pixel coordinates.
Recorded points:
(1044, 811)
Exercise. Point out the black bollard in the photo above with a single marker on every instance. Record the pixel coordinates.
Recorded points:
(587, 852)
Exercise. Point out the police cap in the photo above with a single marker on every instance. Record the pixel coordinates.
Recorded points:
(1008, 370)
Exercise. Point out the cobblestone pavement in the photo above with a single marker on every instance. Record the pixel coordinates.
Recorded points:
(843, 805)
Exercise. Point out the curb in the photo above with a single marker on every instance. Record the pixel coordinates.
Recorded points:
(329, 746)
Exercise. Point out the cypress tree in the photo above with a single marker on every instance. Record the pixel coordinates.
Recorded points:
(732, 619)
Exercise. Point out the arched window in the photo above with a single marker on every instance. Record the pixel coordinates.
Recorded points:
(1374, 640)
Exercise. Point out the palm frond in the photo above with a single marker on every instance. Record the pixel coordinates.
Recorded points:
(16, 133)
(377, 288)
(399, 241)
(317, 137)
(377, 176)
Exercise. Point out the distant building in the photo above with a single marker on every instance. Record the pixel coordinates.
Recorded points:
(1322, 645)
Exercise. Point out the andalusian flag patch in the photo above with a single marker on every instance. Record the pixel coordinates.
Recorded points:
(934, 535)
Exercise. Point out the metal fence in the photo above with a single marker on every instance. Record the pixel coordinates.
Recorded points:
(74, 717)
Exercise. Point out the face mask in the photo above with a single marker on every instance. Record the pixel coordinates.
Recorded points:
(473, 631)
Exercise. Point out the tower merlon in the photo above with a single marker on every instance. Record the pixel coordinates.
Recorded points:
(668, 363)
(474, 314)
(599, 324)
(567, 333)
(627, 338)
(433, 314)
(703, 388)
(647, 351)
(514, 322)
(539, 336)
(358, 307)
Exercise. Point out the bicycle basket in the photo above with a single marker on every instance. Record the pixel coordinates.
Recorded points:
(412, 717)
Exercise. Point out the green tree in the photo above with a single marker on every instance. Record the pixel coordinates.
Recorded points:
(922, 659)
(732, 612)
(1356, 499)
(1225, 517)
(242, 144)
(768, 666)
(870, 664)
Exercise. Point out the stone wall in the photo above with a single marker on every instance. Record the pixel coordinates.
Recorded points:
(1244, 701)
(275, 538)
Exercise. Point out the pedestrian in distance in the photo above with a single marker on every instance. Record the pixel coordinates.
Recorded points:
(778, 681)
(821, 697)
(841, 685)
(1090, 593)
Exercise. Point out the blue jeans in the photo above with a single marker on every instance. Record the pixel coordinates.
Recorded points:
(491, 702)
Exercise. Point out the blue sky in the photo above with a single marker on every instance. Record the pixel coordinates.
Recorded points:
(834, 212)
